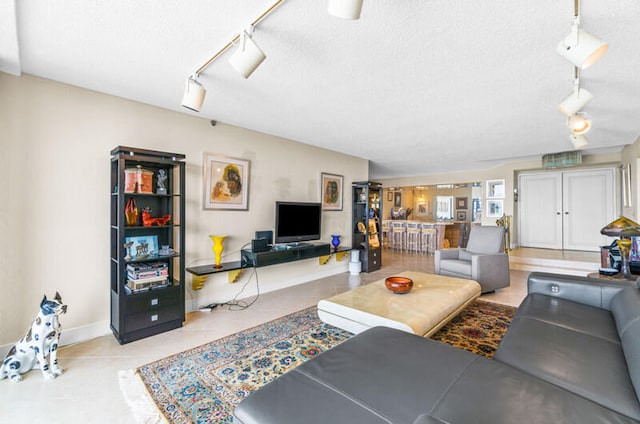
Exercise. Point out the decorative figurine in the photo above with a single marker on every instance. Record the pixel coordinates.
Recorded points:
(162, 177)
(147, 221)
(127, 246)
(131, 212)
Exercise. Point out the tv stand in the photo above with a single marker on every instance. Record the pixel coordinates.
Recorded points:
(278, 255)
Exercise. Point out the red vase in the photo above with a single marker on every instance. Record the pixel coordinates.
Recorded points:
(131, 212)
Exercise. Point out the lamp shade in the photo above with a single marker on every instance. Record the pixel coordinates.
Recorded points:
(247, 56)
(583, 51)
(576, 101)
(579, 123)
(194, 94)
(345, 9)
(578, 141)
(621, 227)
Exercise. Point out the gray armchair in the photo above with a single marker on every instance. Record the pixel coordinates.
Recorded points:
(483, 260)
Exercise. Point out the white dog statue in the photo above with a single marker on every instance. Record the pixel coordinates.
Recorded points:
(40, 342)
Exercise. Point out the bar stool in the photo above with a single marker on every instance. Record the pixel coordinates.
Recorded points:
(428, 236)
(398, 234)
(386, 229)
(413, 237)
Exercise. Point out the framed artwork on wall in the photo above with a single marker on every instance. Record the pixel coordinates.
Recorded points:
(226, 182)
(422, 208)
(461, 215)
(495, 189)
(494, 208)
(461, 203)
(389, 196)
(397, 199)
(331, 192)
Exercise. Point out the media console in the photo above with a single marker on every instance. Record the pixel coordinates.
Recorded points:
(279, 255)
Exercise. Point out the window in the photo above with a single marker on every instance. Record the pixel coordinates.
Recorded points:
(444, 207)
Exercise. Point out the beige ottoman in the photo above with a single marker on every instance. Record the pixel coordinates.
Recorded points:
(433, 301)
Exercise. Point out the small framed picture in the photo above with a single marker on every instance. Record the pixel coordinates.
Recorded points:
(461, 203)
(226, 182)
(389, 196)
(143, 246)
(495, 189)
(422, 209)
(331, 193)
(397, 199)
(494, 208)
(461, 215)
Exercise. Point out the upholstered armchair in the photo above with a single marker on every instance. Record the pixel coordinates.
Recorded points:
(483, 260)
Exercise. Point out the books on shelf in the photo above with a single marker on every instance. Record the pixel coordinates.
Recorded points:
(147, 283)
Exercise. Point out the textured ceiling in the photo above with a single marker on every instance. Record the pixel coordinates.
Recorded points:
(415, 86)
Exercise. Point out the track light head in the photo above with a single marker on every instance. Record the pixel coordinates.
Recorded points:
(579, 123)
(345, 9)
(247, 56)
(194, 94)
(578, 141)
(575, 101)
(581, 48)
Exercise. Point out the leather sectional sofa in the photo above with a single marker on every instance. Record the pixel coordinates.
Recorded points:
(571, 355)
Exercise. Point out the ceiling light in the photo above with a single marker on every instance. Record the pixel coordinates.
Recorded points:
(194, 94)
(345, 9)
(580, 47)
(579, 123)
(578, 141)
(247, 56)
(576, 100)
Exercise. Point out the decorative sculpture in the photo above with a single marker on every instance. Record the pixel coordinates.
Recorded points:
(147, 221)
(218, 248)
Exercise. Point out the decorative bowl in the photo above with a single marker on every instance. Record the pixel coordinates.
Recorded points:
(399, 285)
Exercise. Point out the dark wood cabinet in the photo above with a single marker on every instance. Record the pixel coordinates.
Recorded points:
(147, 243)
(367, 212)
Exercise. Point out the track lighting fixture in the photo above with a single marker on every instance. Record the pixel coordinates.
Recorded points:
(581, 48)
(194, 94)
(579, 123)
(578, 141)
(576, 100)
(247, 56)
(345, 9)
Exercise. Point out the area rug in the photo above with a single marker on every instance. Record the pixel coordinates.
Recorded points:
(203, 385)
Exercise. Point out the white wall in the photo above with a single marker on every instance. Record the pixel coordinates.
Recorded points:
(55, 141)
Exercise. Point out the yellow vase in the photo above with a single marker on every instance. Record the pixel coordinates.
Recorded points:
(217, 248)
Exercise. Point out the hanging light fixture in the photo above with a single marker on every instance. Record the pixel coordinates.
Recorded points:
(579, 123)
(194, 94)
(580, 47)
(576, 100)
(345, 9)
(578, 141)
(247, 56)
(245, 63)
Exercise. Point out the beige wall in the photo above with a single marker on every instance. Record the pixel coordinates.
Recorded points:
(55, 141)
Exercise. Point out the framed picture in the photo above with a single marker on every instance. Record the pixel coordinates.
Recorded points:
(389, 196)
(461, 203)
(331, 193)
(226, 182)
(494, 208)
(143, 246)
(461, 215)
(397, 199)
(495, 189)
(422, 209)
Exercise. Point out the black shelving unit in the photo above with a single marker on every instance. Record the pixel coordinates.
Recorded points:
(367, 212)
(140, 313)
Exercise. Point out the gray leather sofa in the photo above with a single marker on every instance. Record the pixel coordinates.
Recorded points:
(571, 355)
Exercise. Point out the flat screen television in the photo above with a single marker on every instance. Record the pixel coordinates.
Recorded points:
(297, 222)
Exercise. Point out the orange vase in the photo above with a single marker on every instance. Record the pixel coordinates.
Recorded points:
(131, 212)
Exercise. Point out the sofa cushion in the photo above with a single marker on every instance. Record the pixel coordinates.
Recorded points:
(464, 255)
(625, 307)
(380, 374)
(491, 392)
(455, 268)
(590, 366)
(571, 315)
(486, 240)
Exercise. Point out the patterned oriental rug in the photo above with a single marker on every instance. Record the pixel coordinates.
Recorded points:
(204, 384)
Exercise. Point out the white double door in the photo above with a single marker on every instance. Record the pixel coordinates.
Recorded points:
(565, 209)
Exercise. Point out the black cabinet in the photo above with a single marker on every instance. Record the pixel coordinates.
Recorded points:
(147, 242)
(367, 212)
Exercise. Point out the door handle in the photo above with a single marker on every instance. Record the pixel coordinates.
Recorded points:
(557, 213)
(566, 213)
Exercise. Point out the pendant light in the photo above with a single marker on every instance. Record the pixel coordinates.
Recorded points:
(194, 94)
(247, 56)
(345, 9)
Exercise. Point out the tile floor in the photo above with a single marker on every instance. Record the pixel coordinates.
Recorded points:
(89, 390)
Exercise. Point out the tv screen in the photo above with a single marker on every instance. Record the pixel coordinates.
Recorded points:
(297, 221)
